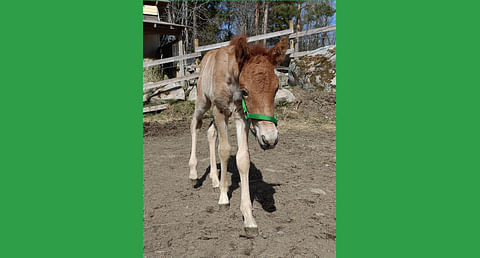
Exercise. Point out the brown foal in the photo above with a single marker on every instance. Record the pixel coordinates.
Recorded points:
(228, 75)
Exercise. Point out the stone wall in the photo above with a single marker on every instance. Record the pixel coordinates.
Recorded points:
(314, 71)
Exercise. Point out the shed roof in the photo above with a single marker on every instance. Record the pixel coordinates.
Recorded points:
(152, 23)
(161, 4)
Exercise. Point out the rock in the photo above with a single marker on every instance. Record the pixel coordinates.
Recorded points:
(322, 51)
(145, 98)
(149, 213)
(333, 60)
(318, 191)
(155, 100)
(264, 235)
(292, 68)
(282, 79)
(166, 242)
(315, 70)
(284, 95)
(173, 95)
(191, 68)
(334, 81)
(193, 95)
(210, 209)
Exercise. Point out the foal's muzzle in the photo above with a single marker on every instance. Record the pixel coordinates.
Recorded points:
(267, 134)
(267, 145)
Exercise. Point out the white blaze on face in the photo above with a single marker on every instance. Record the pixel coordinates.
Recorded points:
(267, 134)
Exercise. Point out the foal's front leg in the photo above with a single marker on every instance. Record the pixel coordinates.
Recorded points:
(243, 165)
(221, 122)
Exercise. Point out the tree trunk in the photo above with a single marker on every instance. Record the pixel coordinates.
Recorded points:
(309, 40)
(324, 35)
(265, 19)
(255, 23)
(195, 20)
(299, 27)
(245, 11)
(185, 19)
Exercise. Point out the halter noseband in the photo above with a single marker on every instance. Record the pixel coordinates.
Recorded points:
(257, 116)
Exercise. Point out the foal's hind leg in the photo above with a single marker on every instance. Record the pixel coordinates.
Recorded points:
(202, 104)
(212, 138)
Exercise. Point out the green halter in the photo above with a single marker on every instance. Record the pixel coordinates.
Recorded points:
(257, 116)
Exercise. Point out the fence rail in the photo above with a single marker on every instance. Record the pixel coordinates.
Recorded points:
(249, 39)
(155, 108)
(153, 85)
(313, 31)
(304, 53)
(170, 59)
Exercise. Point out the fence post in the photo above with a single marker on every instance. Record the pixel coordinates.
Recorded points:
(297, 40)
(197, 60)
(291, 41)
(181, 71)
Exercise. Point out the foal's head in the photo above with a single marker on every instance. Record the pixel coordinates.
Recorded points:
(259, 84)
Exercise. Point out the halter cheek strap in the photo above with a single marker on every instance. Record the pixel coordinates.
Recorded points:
(257, 116)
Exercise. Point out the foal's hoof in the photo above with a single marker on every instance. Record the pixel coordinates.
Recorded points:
(215, 184)
(224, 207)
(193, 182)
(251, 232)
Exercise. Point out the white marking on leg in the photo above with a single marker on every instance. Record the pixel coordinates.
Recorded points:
(224, 153)
(243, 165)
(212, 138)
(193, 155)
(201, 105)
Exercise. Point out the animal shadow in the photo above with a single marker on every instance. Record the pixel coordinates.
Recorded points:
(260, 190)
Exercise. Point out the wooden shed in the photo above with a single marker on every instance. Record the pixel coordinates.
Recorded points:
(160, 38)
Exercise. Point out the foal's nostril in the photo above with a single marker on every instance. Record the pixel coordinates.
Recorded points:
(265, 140)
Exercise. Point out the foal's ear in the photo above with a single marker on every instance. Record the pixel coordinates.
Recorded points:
(277, 53)
(241, 49)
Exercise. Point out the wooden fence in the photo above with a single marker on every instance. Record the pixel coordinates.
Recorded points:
(199, 49)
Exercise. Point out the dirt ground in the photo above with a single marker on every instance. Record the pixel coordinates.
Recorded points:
(292, 186)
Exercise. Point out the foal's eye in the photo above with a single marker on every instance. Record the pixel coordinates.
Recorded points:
(244, 92)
